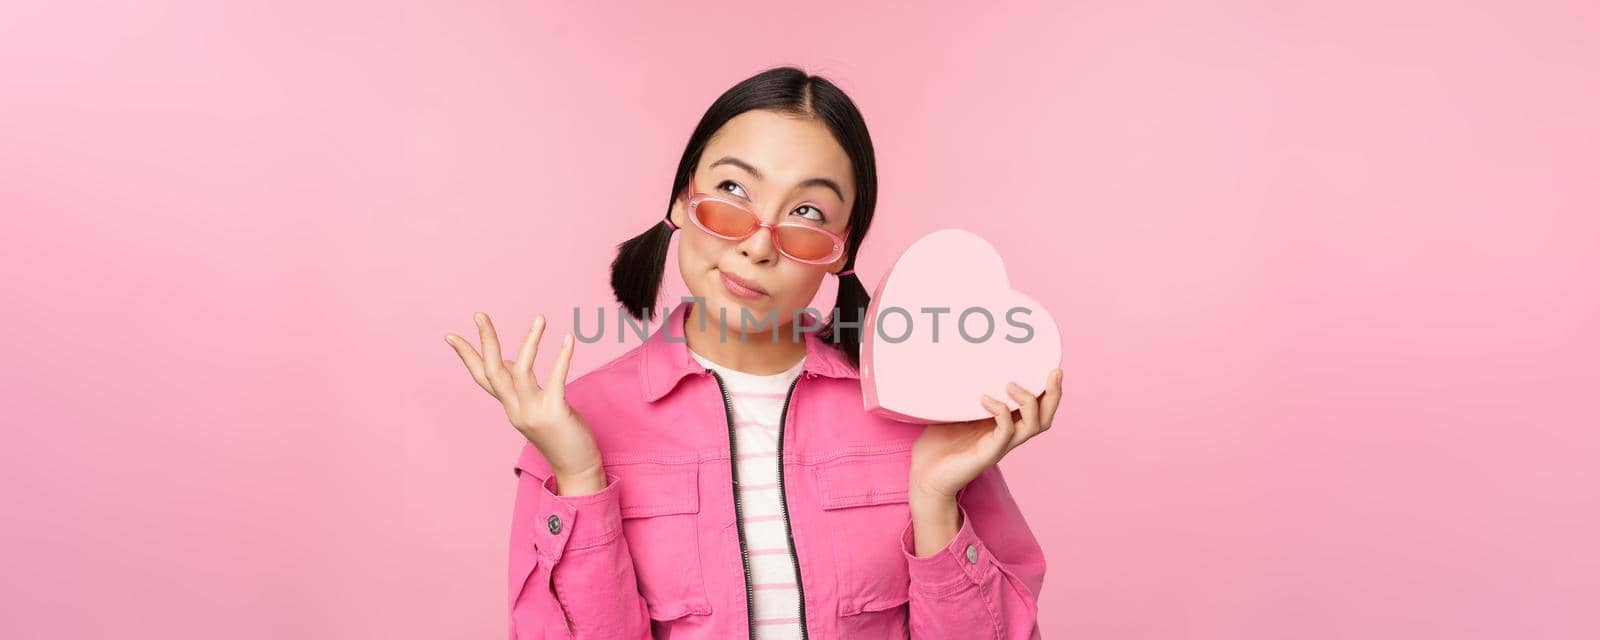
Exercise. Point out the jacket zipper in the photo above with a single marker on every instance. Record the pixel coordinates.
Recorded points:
(738, 509)
(783, 500)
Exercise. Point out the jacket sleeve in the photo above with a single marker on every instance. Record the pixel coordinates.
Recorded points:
(985, 583)
(571, 575)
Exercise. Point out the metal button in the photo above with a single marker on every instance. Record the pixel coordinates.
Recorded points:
(555, 524)
(972, 553)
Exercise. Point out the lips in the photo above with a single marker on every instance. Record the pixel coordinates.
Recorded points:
(743, 283)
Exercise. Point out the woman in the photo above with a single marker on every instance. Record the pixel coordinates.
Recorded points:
(721, 480)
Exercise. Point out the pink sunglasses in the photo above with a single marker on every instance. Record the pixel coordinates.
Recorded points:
(730, 219)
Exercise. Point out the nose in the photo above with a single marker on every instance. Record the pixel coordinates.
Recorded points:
(759, 246)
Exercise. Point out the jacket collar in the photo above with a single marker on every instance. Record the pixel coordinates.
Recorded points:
(666, 358)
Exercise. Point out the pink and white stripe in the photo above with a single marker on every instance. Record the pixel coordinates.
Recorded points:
(757, 407)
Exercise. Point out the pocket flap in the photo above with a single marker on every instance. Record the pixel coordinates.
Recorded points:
(859, 480)
(656, 489)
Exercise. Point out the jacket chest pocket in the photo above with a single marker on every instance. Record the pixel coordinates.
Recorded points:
(660, 508)
(865, 509)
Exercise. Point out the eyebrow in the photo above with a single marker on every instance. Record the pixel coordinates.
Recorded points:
(825, 182)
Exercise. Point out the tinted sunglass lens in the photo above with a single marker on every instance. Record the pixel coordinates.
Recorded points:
(725, 219)
(805, 243)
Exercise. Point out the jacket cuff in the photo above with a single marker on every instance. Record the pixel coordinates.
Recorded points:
(962, 563)
(570, 523)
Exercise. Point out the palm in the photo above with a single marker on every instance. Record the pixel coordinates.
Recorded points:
(539, 411)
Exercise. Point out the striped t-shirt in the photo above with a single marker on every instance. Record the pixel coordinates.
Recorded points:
(757, 403)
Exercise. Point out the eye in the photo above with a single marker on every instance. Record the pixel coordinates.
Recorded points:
(821, 217)
(741, 192)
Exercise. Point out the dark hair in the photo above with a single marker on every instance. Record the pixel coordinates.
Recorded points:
(636, 271)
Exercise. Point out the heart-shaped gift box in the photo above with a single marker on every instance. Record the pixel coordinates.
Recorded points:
(926, 366)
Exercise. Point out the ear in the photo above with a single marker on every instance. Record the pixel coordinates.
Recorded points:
(838, 265)
(678, 215)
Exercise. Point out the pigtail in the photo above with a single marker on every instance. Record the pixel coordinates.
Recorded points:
(849, 313)
(636, 271)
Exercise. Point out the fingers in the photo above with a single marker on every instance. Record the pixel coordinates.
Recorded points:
(999, 440)
(493, 368)
(1051, 400)
(558, 374)
(522, 372)
(1029, 406)
(469, 358)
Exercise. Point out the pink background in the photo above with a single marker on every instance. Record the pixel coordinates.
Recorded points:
(1326, 277)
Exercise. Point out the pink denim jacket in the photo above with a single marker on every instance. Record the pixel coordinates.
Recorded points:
(657, 552)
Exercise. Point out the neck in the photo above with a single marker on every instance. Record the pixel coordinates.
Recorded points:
(754, 352)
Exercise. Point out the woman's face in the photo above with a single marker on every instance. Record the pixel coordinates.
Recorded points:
(761, 159)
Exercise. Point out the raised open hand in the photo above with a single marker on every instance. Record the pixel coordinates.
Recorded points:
(541, 414)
